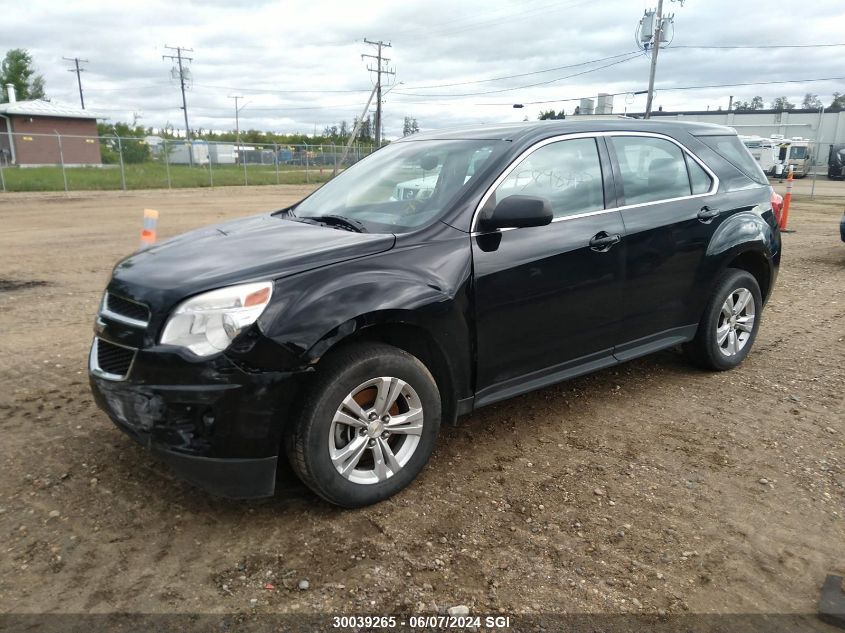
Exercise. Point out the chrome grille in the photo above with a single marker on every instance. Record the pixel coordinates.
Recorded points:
(125, 310)
(111, 361)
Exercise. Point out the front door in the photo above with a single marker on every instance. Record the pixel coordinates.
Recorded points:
(548, 298)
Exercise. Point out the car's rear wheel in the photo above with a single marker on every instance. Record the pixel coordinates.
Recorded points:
(367, 426)
(729, 324)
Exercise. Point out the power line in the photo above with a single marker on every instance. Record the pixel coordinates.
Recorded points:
(541, 83)
(270, 91)
(760, 46)
(628, 92)
(155, 85)
(330, 107)
(756, 83)
(273, 91)
(333, 106)
(534, 72)
(78, 70)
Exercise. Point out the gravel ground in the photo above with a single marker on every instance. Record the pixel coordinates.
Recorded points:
(648, 488)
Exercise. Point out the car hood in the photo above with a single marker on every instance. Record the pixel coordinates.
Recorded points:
(248, 249)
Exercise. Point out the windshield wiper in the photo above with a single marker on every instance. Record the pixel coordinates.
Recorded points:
(334, 221)
(341, 221)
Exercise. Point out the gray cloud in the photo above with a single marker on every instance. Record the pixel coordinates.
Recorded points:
(284, 57)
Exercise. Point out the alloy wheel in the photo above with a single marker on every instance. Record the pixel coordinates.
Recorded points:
(736, 322)
(376, 430)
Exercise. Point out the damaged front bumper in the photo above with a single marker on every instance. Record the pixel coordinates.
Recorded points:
(217, 424)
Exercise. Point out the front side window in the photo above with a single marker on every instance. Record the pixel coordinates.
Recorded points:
(566, 173)
(403, 186)
(652, 169)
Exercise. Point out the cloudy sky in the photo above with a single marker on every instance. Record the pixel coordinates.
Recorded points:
(298, 63)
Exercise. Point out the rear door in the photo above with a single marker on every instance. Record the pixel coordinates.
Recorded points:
(548, 297)
(666, 198)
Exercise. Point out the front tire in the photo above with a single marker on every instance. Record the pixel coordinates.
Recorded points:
(367, 427)
(729, 324)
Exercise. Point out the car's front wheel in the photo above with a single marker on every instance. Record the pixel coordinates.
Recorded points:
(729, 324)
(367, 426)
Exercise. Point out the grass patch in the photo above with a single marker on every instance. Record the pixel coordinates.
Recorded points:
(155, 176)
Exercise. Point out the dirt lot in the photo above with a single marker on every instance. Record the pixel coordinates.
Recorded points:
(649, 487)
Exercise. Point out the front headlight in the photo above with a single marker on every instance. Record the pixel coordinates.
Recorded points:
(208, 323)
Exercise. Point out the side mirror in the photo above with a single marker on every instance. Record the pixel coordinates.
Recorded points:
(519, 212)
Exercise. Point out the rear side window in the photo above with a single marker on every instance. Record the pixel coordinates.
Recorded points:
(652, 169)
(732, 150)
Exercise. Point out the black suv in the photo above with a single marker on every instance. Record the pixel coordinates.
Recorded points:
(443, 273)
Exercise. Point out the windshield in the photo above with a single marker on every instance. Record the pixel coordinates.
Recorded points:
(402, 186)
(797, 152)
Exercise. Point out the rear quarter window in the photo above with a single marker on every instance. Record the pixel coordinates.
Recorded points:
(699, 179)
(732, 150)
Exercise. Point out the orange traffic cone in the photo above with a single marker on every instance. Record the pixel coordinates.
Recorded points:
(787, 198)
(148, 232)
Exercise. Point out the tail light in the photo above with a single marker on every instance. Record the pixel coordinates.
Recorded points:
(777, 204)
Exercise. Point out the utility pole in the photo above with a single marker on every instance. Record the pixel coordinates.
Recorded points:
(652, 32)
(355, 131)
(241, 156)
(237, 120)
(76, 61)
(655, 48)
(379, 70)
(182, 72)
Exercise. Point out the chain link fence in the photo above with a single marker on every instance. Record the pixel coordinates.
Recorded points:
(61, 162)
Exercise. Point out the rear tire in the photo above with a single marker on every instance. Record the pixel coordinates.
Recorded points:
(367, 427)
(729, 323)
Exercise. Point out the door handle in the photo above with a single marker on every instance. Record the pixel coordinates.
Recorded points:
(707, 214)
(602, 242)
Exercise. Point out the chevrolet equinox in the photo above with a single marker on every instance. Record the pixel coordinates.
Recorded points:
(445, 272)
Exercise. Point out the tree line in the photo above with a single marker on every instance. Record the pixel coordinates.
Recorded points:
(810, 102)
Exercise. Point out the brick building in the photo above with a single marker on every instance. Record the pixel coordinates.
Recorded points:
(29, 129)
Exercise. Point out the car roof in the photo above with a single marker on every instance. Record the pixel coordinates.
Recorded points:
(540, 129)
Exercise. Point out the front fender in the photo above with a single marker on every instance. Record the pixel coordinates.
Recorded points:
(426, 285)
